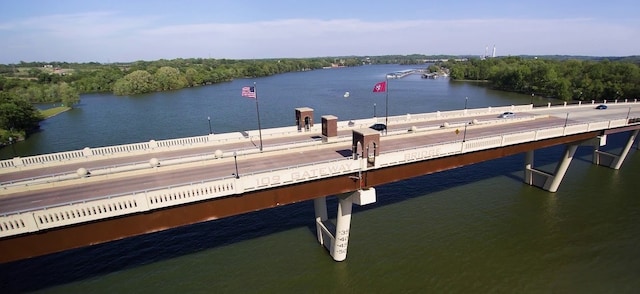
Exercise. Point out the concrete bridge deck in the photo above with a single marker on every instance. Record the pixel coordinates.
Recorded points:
(197, 182)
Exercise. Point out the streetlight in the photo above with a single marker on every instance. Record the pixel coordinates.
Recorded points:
(532, 98)
(12, 147)
(374, 110)
(464, 135)
(466, 99)
(209, 119)
(235, 159)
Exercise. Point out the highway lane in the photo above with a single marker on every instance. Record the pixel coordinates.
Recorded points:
(588, 112)
(160, 153)
(92, 187)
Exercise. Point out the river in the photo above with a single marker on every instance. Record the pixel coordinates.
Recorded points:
(475, 229)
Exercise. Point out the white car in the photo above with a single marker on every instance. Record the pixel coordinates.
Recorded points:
(507, 115)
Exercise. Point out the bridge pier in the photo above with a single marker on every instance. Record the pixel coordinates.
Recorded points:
(611, 160)
(544, 180)
(335, 237)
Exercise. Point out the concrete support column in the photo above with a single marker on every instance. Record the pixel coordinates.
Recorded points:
(320, 207)
(343, 225)
(528, 168)
(335, 237)
(544, 180)
(611, 160)
(618, 163)
(553, 183)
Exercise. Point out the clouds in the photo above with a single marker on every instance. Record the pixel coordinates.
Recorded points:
(111, 36)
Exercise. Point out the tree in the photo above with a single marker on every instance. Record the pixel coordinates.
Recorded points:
(68, 95)
(137, 82)
(168, 78)
(17, 116)
(562, 89)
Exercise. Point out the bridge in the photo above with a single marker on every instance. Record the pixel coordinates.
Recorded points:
(55, 202)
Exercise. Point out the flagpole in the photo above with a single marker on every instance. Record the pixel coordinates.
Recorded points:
(255, 89)
(386, 120)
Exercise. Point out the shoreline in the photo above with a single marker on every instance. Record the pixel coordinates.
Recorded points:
(51, 112)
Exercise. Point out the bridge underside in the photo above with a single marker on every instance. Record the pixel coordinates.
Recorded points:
(56, 240)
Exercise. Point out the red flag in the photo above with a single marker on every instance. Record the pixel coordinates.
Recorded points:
(249, 92)
(380, 87)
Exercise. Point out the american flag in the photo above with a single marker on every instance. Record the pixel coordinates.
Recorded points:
(249, 92)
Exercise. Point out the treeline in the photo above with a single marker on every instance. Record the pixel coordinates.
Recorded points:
(33, 81)
(163, 75)
(570, 79)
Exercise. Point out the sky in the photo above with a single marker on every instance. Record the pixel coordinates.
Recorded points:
(123, 31)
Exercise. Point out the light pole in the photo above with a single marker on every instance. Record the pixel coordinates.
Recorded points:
(532, 98)
(235, 159)
(464, 135)
(566, 119)
(12, 147)
(374, 110)
(209, 119)
(466, 99)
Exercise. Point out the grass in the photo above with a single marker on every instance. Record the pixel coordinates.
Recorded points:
(47, 113)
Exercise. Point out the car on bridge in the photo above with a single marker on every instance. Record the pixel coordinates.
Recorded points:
(507, 114)
(601, 106)
(379, 127)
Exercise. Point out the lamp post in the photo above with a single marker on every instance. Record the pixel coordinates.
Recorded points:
(464, 134)
(466, 99)
(532, 98)
(209, 119)
(235, 159)
(374, 110)
(12, 147)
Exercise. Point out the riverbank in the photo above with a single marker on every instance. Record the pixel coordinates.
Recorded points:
(51, 112)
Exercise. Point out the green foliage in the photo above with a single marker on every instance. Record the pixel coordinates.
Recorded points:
(137, 82)
(40, 82)
(17, 116)
(96, 80)
(168, 78)
(563, 79)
